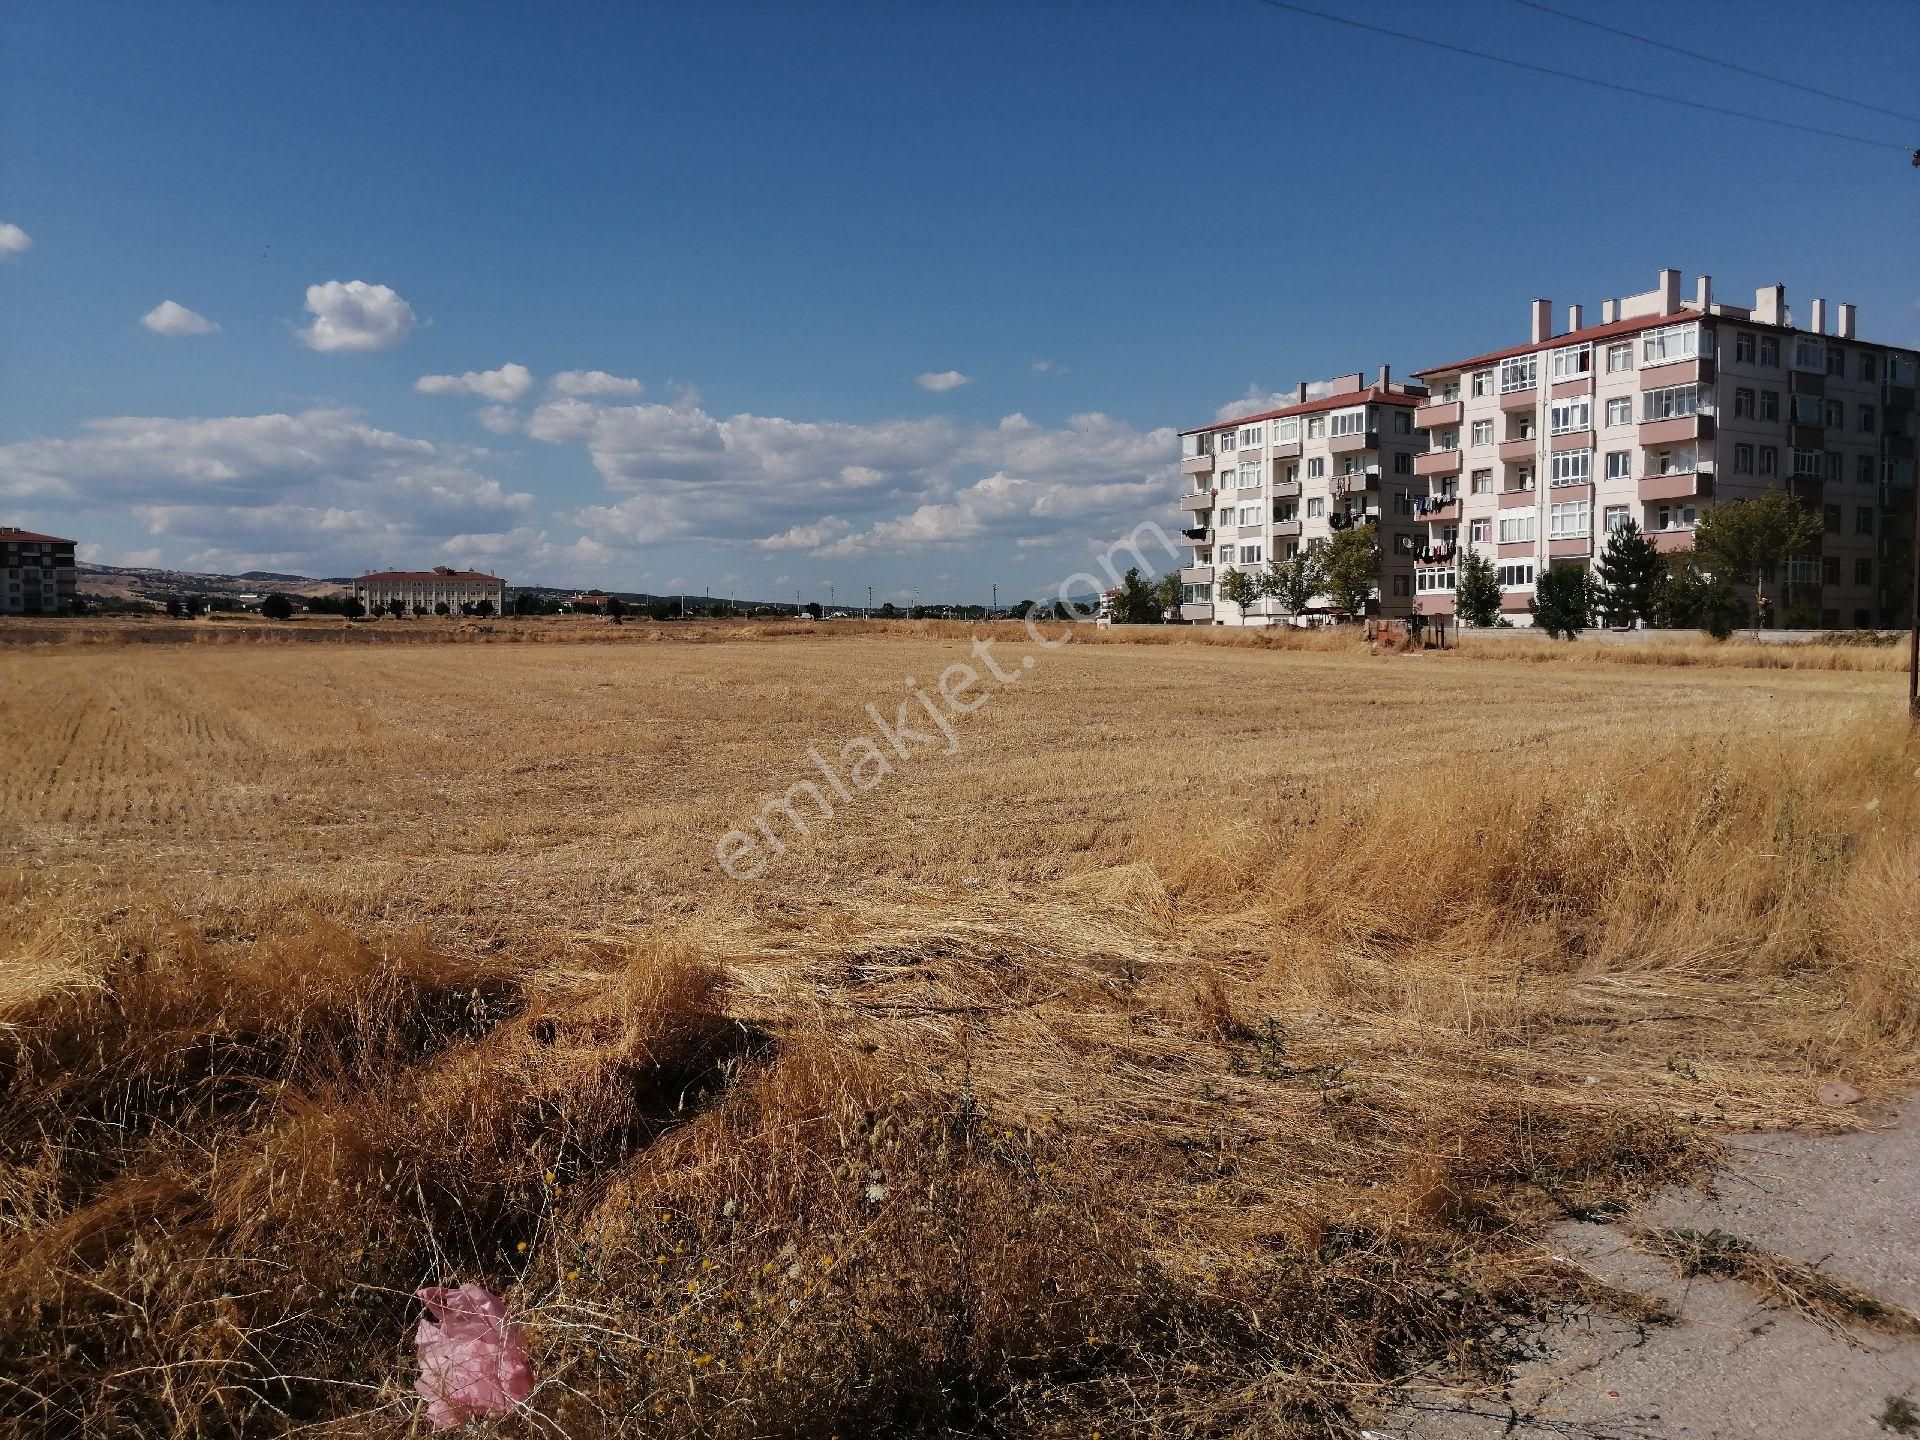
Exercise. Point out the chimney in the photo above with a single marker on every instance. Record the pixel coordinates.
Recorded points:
(1385, 381)
(1818, 321)
(1300, 393)
(1609, 311)
(1844, 327)
(1542, 320)
(1669, 291)
(1703, 294)
(1770, 305)
(1575, 314)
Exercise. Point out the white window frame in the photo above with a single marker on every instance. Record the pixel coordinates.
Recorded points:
(1348, 422)
(1483, 432)
(1570, 519)
(1285, 432)
(1514, 574)
(1619, 465)
(1516, 527)
(1670, 343)
(1620, 357)
(1519, 372)
(1672, 402)
(1571, 415)
(1572, 361)
(1570, 467)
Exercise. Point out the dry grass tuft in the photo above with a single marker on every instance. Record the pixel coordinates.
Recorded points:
(1790, 1284)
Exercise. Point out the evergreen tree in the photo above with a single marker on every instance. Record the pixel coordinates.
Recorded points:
(1562, 600)
(1476, 591)
(1137, 603)
(1626, 575)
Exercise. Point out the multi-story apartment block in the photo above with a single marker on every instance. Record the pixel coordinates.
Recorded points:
(421, 591)
(1264, 486)
(1668, 405)
(36, 573)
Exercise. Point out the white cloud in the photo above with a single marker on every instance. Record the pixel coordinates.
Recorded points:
(1049, 367)
(807, 537)
(1256, 400)
(583, 383)
(938, 380)
(321, 491)
(13, 240)
(507, 384)
(167, 318)
(500, 419)
(353, 317)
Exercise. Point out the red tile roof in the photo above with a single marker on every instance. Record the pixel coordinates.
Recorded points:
(1373, 395)
(439, 572)
(1572, 337)
(9, 535)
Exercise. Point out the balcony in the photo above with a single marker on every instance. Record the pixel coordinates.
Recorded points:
(1569, 546)
(1200, 610)
(1286, 529)
(1196, 465)
(1197, 575)
(1285, 450)
(1197, 534)
(1354, 444)
(1697, 371)
(1197, 500)
(1437, 462)
(1511, 450)
(1517, 499)
(1519, 399)
(1677, 430)
(1667, 542)
(1676, 485)
(1571, 440)
(1286, 489)
(1436, 513)
(1352, 482)
(1443, 416)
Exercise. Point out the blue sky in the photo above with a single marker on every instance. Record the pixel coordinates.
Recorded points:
(761, 224)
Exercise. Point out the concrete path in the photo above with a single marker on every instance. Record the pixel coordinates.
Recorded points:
(1732, 1368)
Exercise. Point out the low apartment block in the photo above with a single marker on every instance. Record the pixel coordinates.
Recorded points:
(1265, 486)
(37, 573)
(1672, 403)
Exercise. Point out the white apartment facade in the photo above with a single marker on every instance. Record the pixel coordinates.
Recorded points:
(421, 592)
(1265, 486)
(1670, 404)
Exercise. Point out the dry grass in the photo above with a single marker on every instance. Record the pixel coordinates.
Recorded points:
(1196, 1052)
(1790, 1284)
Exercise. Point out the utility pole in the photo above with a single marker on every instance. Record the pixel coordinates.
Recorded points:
(993, 611)
(829, 597)
(1913, 643)
(867, 614)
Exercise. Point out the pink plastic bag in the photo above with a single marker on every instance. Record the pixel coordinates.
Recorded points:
(473, 1363)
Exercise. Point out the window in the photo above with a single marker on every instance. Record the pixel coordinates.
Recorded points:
(1863, 571)
(1403, 542)
(1480, 531)
(1867, 418)
(1572, 362)
(1250, 477)
(1446, 440)
(1481, 482)
(1285, 511)
(1403, 422)
(1516, 527)
(1743, 346)
(1483, 432)
(1617, 517)
(1516, 574)
(1671, 342)
(1316, 467)
(1809, 353)
(1249, 514)
(1743, 403)
(1196, 594)
(1431, 582)
(1225, 556)
(1285, 432)
(1521, 479)
(1572, 467)
(1249, 554)
(1836, 361)
(1669, 403)
(1521, 372)
(1570, 416)
(1830, 570)
(1569, 519)
(1805, 409)
(1620, 410)
(1402, 503)
(1619, 357)
(1769, 404)
(1483, 382)
(1831, 514)
(1619, 464)
(1833, 412)
(1770, 351)
(1316, 507)
(1867, 368)
(1226, 441)
(1863, 520)
(1316, 427)
(1863, 469)
(1675, 517)
(1400, 584)
(1810, 464)
(1348, 422)
(1743, 459)
(1293, 475)
(1250, 436)
(1403, 463)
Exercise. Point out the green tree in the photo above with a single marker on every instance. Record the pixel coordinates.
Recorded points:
(616, 607)
(1349, 565)
(1293, 581)
(1166, 594)
(1020, 610)
(396, 608)
(1745, 541)
(1239, 588)
(1685, 599)
(442, 609)
(352, 608)
(1137, 603)
(484, 609)
(1562, 602)
(1476, 591)
(526, 603)
(1626, 575)
(277, 607)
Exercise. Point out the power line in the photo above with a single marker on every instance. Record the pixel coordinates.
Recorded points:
(1715, 60)
(1587, 79)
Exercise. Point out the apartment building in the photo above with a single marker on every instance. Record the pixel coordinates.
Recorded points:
(37, 573)
(421, 592)
(1667, 406)
(1265, 486)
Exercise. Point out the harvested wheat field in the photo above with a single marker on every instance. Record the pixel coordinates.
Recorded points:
(1200, 1049)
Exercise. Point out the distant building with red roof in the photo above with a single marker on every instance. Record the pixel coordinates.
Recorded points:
(423, 592)
(37, 572)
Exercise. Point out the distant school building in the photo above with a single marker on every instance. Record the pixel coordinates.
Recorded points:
(423, 591)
